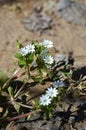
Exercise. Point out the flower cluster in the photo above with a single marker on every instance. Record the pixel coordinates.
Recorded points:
(58, 83)
(36, 57)
(51, 93)
(23, 51)
(27, 50)
(48, 59)
(47, 44)
(30, 48)
(46, 99)
(38, 54)
(44, 53)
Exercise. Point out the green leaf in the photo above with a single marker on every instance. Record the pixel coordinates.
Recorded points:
(18, 56)
(37, 79)
(11, 92)
(38, 48)
(17, 107)
(28, 117)
(18, 45)
(36, 105)
(30, 58)
(4, 93)
(32, 42)
(3, 77)
(21, 63)
(39, 62)
(5, 113)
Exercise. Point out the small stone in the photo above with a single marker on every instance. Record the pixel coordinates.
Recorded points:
(71, 119)
(13, 126)
(72, 11)
(37, 22)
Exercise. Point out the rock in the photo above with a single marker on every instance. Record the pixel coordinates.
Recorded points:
(71, 11)
(13, 126)
(66, 116)
(37, 22)
(50, 7)
(79, 126)
(60, 58)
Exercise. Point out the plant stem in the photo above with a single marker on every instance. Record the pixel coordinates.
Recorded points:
(23, 105)
(28, 70)
(23, 115)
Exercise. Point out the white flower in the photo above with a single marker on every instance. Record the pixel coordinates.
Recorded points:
(58, 83)
(31, 48)
(52, 92)
(45, 100)
(27, 49)
(48, 59)
(47, 43)
(23, 51)
(44, 53)
(41, 44)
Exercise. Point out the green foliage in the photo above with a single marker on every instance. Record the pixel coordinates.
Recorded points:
(13, 99)
(3, 77)
(26, 61)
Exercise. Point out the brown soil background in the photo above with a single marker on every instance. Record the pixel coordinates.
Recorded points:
(65, 36)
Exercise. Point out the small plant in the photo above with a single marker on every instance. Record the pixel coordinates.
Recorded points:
(35, 56)
(49, 100)
(37, 62)
(38, 65)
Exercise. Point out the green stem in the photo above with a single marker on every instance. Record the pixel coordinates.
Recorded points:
(23, 115)
(28, 68)
(28, 71)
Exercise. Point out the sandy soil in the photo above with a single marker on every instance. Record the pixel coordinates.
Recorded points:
(65, 36)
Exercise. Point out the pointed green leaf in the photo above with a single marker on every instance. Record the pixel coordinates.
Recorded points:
(21, 63)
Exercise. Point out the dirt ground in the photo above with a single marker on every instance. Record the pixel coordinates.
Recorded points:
(65, 36)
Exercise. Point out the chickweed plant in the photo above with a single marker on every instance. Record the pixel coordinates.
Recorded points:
(35, 56)
(49, 99)
(37, 62)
